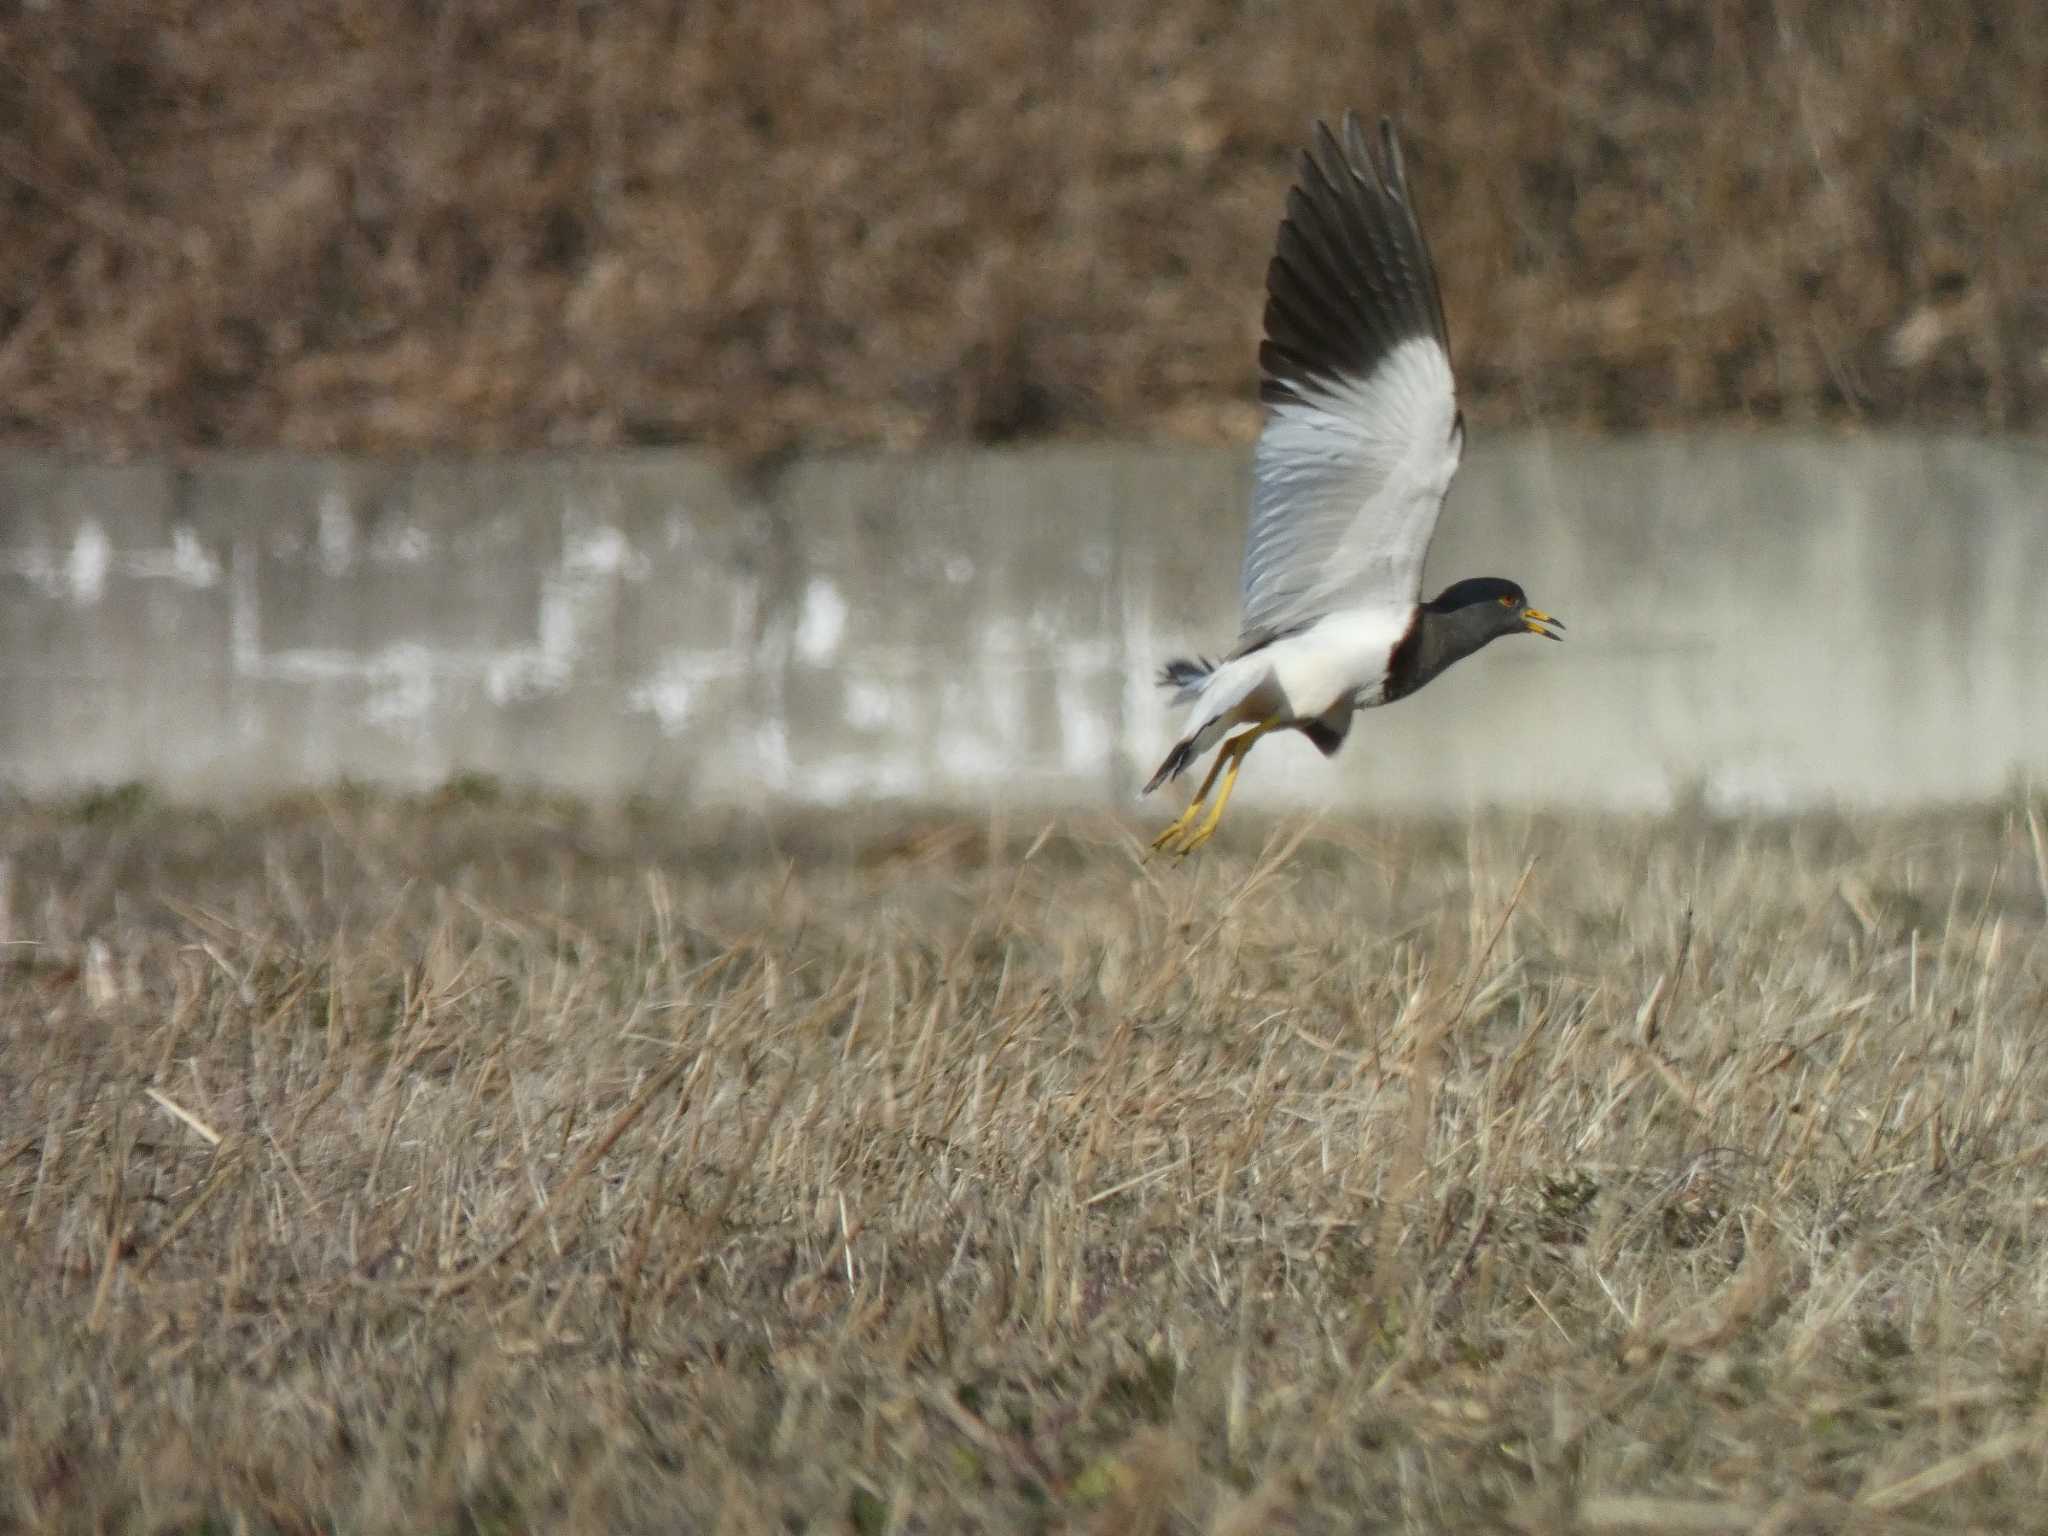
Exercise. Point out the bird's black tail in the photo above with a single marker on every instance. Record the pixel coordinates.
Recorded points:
(1176, 760)
(1186, 676)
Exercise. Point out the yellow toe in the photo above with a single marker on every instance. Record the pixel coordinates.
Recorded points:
(1164, 841)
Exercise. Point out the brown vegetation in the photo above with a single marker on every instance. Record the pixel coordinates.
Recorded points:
(490, 1166)
(494, 224)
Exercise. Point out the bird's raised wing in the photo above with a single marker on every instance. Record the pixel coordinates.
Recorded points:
(1362, 429)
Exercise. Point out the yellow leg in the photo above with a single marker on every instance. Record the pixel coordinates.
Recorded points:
(1210, 822)
(1187, 817)
(1185, 835)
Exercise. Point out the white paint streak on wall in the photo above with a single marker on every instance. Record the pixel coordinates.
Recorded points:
(671, 691)
(404, 679)
(245, 624)
(594, 559)
(545, 667)
(1085, 740)
(667, 698)
(602, 551)
(523, 674)
(771, 741)
(970, 757)
(81, 576)
(187, 562)
(870, 705)
(673, 688)
(822, 622)
(85, 573)
(400, 679)
(402, 691)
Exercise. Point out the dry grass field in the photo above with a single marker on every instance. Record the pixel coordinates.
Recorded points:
(482, 1164)
(478, 225)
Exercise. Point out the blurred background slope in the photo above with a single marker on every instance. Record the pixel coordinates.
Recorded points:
(352, 224)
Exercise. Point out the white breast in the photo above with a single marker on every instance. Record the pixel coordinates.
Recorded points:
(1345, 655)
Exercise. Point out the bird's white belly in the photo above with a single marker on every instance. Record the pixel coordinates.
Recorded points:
(1344, 657)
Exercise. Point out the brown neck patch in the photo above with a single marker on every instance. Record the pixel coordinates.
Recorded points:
(1404, 666)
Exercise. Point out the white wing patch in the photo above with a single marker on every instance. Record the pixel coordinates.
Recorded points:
(1350, 477)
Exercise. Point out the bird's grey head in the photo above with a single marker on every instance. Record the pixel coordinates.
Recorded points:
(1483, 608)
(1458, 621)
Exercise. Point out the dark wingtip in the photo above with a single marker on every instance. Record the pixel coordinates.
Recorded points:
(1351, 275)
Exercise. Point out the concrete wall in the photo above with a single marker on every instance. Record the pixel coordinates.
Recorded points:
(1775, 620)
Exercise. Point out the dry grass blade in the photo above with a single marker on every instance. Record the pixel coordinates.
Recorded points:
(1946, 1473)
(184, 1116)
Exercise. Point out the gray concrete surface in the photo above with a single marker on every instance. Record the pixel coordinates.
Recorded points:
(1763, 620)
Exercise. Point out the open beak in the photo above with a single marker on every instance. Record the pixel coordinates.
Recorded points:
(1533, 620)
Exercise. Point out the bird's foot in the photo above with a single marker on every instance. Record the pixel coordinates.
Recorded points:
(1188, 834)
(1170, 841)
(1194, 837)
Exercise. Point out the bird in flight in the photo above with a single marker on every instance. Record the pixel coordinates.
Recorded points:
(1361, 439)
